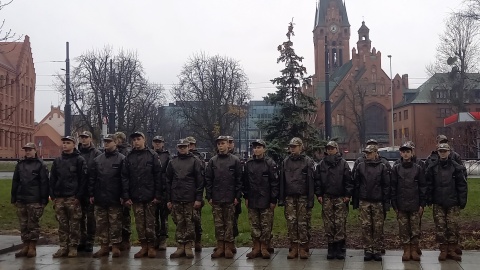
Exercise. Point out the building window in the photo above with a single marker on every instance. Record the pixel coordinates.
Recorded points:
(400, 133)
(441, 94)
(399, 116)
(444, 112)
(395, 134)
(406, 133)
(405, 114)
(394, 117)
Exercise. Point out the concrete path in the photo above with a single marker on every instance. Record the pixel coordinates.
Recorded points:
(317, 260)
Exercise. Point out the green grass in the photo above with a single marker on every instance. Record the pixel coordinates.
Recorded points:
(9, 221)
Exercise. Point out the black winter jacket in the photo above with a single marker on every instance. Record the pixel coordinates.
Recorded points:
(408, 186)
(415, 160)
(68, 176)
(164, 157)
(363, 159)
(89, 154)
(433, 158)
(446, 184)
(124, 148)
(142, 174)
(260, 182)
(372, 182)
(297, 178)
(30, 181)
(184, 179)
(223, 179)
(105, 175)
(334, 177)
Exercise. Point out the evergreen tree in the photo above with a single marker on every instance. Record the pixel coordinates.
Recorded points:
(295, 110)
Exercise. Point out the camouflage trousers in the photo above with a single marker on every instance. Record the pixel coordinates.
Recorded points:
(126, 224)
(238, 211)
(334, 214)
(68, 212)
(371, 218)
(298, 218)
(145, 221)
(446, 224)
(87, 224)
(197, 221)
(109, 224)
(224, 218)
(182, 216)
(161, 221)
(29, 218)
(261, 221)
(409, 227)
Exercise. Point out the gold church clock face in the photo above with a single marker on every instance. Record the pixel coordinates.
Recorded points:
(333, 28)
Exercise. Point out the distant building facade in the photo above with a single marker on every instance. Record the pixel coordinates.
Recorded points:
(49, 132)
(17, 97)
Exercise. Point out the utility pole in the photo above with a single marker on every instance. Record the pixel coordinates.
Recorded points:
(328, 112)
(67, 109)
(391, 99)
(111, 105)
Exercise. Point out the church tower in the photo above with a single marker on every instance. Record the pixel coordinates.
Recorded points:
(331, 20)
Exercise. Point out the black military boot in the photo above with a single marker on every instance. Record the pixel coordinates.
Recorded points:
(339, 253)
(331, 251)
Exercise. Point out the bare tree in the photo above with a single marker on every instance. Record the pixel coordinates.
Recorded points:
(355, 108)
(209, 87)
(458, 55)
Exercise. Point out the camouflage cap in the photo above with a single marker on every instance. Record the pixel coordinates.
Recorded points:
(69, 138)
(259, 142)
(109, 137)
(406, 146)
(412, 144)
(120, 135)
(30, 145)
(86, 134)
(222, 138)
(158, 139)
(183, 142)
(442, 138)
(191, 140)
(370, 148)
(137, 134)
(443, 146)
(332, 144)
(230, 138)
(372, 141)
(295, 141)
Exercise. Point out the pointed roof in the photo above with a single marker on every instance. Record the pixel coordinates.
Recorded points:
(321, 12)
(13, 53)
(363, 28)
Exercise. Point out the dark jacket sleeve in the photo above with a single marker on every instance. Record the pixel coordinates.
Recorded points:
(347, 179)
(386, 188)
(246, 182)
(422, 187)
(209, 180)
(393, 189)
(281, 191)
(318, 180)
(238, 179)
(311, 183)
(461, 185)
(274, 182)
(157, 176)
(82, 172)
(92, 175)
(125, 180)
(429, 181)
(44, 184)
(199, 181)
(53, 179)
(15, 184)
(168, 182)
(356, 188)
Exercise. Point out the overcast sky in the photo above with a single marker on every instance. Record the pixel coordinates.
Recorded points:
(166, 33)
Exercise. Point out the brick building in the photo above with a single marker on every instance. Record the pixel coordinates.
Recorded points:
(49, 132)
(17, 96)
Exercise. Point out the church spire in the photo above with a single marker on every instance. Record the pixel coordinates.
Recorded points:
(322, 11)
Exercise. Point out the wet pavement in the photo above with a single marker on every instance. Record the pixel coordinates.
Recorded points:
(317, 260)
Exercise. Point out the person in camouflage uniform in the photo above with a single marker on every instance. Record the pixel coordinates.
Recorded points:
(197, 213)
(447, 191)
(297, 195)
(238, 207)
(184, 194)
(223, 182)
(29, 196)
(162, 211)
(105, 191)
(67, 185)
(408, 197)
(124, 148)
(142, 173)
(372, 196)
(260, 190)
(87, 226)
(333, 188)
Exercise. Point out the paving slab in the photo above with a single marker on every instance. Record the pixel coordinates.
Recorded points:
(202, 261)
(9, 243)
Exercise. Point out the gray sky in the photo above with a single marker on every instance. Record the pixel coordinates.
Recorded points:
(166, 33)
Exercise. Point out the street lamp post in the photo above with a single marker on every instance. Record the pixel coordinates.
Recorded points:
(391, 99)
